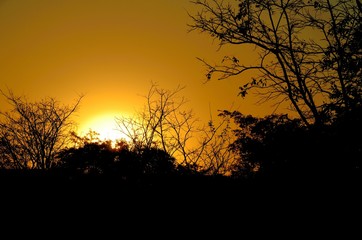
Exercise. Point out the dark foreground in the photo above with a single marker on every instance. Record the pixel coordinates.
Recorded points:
(63, 185)
(174, 207)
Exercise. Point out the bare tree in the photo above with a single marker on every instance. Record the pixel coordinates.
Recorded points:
(213, 151)
(165, 123)
(304, 48)
(162, 112)
(32, 133)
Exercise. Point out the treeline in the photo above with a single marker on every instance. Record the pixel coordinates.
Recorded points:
(37, 143)
(309, 60)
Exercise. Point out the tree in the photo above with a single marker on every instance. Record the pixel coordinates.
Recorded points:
(271, 146)
(92, 157)
(278, 147)
(309, 51)
(166, 124)
(89, 156)
(32, 133)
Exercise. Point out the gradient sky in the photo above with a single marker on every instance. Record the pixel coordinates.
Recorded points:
(111, 50)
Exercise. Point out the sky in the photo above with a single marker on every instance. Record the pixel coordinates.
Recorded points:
(111, 51)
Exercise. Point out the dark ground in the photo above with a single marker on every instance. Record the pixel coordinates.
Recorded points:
(175, 207)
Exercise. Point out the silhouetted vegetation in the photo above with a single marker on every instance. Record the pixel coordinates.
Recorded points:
(309, 51)
(310, 57)
(99, 158)
(167, 124)
(32, 133)
(277, 147)
(320, 77)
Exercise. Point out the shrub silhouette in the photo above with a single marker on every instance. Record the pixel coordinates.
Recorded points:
(279, 147)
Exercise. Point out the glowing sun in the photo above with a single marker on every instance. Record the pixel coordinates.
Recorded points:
(105, 126)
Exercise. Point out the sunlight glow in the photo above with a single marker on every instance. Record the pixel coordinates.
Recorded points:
(105, 125)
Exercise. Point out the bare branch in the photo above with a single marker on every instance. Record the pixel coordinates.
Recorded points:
(32, 133)
(308, 50)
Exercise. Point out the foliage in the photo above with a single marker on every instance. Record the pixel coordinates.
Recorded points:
(90, 158)
(98, 158)
(309, 51)
(276, 146)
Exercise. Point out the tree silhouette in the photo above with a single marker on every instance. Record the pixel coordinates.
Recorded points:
(157, 162)
(93, 157)
(166, 124)
(309, 51)
(32, 133)
(278, 147)
(309, 54)
(267, 146)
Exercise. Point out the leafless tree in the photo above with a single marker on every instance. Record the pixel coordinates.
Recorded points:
(165, 123)
(32, 133)
(309, 51)
(213, 151)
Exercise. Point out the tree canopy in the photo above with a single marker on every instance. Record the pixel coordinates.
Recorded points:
(309, 51)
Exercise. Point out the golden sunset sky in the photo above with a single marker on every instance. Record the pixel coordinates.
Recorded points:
(111, 50)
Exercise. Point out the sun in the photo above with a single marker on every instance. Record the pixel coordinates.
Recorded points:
(105, 125)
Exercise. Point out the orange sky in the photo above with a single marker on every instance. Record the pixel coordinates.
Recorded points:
(111, 50)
